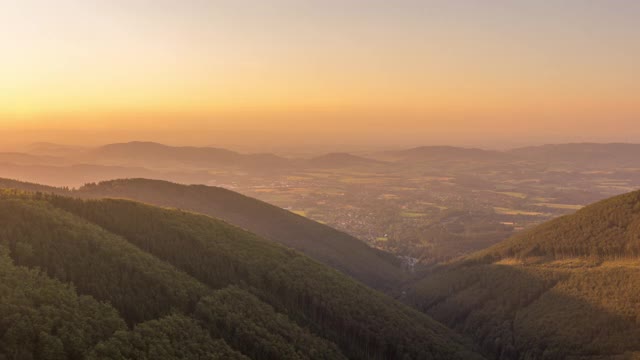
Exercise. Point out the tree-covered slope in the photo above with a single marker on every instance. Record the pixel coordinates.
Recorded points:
(140, 286)
(170, 338)
(218, 254)
(189, 286)
(609, 229)
(41, 318)
(109, 268)
(97, 262)
(27, 186)
(320, 242)
(337, 249)
(567, 288)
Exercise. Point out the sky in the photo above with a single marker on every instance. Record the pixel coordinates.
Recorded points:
(257, 73)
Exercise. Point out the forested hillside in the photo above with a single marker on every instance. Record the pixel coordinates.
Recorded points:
(567, 288)
(320, 242)
(159, 283)
(31, 187)
(41, 318)
(337, 249)
(609, 229)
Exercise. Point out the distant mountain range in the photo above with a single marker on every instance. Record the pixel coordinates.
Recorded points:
(155, 155)
(341, 160)
(47, 148)
(151, 154)
(72, 166)
(29, 159)
(446, 153)
(582, 154)
(585, 154)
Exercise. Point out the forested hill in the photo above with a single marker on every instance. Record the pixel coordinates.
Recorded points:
(337, 249)
(341, 160)
(609, 229)
(320, 242)
(30, 187)
(154, 283)
(569, 288)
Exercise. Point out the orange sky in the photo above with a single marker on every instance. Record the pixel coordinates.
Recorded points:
(251, 71)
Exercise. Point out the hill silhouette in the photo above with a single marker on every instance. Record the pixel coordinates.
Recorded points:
(152, 154)
(446, 153)
(341, 160)
(583, 154)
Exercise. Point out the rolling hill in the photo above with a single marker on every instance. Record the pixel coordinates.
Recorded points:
(153, 283)
(29, 186)
(78, 175)
(28, 159)
(446, 153)
(53, 149)
(155, 155)
(341, 160)
(569, 288)
(583, 154)
(320, 242)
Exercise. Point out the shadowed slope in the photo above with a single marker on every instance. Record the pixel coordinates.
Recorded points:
(608, 229)
(337, 249)
(567, 288)
(320, 242)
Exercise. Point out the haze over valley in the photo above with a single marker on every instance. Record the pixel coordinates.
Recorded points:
(429, 204)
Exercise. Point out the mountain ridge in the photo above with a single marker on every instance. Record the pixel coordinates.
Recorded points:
(341, 159)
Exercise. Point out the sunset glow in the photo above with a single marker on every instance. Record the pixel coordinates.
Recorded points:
(352, 67)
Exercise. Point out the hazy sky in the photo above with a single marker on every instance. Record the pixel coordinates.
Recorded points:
(335, 71)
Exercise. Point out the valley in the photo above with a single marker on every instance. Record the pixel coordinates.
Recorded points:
(434, 214)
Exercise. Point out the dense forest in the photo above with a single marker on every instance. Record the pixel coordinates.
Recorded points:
(170, 337)
(320, 242)
(118, 279)
(609, 229)
(42, 318)
(567, 288)
(339, 250)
